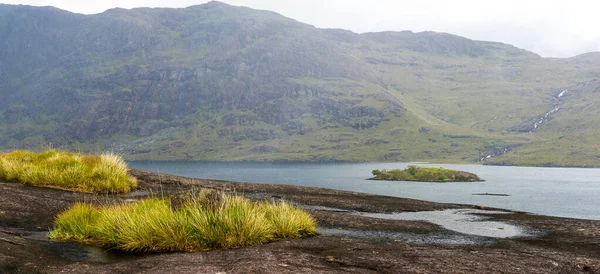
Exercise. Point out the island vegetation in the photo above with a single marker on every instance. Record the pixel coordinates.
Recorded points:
(423, 174)
(106, 173)
(208, 220)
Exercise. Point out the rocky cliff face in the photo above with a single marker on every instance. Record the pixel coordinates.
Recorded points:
(139, 71)
(187, 83)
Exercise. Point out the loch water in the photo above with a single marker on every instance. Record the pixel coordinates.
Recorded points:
(563, 192)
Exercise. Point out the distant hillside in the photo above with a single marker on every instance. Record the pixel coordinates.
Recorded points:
(219, 82)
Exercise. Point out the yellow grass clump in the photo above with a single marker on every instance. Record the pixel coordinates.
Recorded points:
(197, 224)
(106, 173)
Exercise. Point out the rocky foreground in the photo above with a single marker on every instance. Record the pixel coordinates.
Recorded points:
(350, 243)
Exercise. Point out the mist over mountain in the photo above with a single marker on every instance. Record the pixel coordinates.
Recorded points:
(218, 82)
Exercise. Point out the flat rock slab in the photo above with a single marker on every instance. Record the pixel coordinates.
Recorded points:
(366, 243)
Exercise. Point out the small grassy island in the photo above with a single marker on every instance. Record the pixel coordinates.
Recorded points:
(204, 221)
(106, 173)
(425, 174)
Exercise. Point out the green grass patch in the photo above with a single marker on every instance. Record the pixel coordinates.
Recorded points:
(423, 174)
(106, 173)
(198, 222)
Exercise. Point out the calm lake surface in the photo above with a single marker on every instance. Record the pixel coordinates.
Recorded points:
(565, 192)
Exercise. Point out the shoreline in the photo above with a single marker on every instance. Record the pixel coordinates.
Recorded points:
(366, 162)
(546, 200)
(559, 245)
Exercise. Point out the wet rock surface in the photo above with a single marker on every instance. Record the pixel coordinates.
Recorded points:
(464, 221)
(351, 240)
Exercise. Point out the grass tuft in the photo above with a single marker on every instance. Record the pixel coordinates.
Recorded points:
(106, 173)
(155, 225)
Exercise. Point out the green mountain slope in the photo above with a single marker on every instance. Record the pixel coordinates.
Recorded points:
(218, 82)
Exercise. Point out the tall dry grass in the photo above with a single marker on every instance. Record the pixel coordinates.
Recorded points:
(196, 224)
(106, 173)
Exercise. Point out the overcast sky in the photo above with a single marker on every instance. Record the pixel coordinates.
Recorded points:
(551, 28)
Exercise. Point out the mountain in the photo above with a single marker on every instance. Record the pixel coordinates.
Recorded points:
(219, 82)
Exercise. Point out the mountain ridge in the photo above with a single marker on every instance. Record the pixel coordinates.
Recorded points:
(219, 82)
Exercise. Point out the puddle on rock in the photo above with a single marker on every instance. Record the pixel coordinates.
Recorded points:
(76, 252)
(138, 193)
(261, 196)
(324, 208)
(436, 238)
(459, 220)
